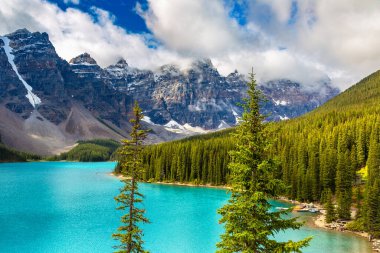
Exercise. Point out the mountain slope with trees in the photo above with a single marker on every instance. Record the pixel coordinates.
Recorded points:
(90, 151)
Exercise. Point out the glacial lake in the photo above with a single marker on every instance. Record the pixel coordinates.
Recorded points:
(69, 207)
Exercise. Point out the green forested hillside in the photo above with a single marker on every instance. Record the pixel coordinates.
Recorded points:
(318, 153)
(201, 159)
(90, 151)
(323, 152)
(10, 155)
(325, 148)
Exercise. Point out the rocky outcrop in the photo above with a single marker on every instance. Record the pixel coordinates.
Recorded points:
(287, 99)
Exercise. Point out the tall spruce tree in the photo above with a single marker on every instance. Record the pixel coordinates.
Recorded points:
(372, 218)
(249, 223)
(329, 206)
(130, 234)
(373, 209)
(343, 179)
(373, 161)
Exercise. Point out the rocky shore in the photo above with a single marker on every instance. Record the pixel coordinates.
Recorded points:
(340, 226)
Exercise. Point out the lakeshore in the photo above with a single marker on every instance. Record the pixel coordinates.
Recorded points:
(176, 183)
(319, 221)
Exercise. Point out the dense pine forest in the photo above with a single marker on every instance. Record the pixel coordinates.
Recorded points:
(95, 150)
(199, 160)
(332, 151)
(11, 155)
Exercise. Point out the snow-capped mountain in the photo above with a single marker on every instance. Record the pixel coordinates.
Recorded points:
(47, 104)
(287, 99)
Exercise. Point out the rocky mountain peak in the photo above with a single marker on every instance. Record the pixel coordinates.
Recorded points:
(121, 63)
(22, 31)
(170, 69)
(288, 99)
(203, 63)
(83, 59)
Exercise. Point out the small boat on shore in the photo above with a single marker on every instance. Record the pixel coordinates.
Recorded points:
(306, 208)
(282, 208)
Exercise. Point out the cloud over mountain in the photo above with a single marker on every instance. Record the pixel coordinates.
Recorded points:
(300, 40)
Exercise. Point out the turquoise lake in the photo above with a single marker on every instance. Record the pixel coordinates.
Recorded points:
(69, 207)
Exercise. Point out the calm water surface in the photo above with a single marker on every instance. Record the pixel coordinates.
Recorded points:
(69, 207)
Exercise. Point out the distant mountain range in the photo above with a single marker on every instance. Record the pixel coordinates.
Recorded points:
(47, 104)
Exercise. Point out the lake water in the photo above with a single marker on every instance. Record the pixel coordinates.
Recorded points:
(69, 207)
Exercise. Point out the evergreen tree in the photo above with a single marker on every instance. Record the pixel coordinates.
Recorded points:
(373, 209)
(373, 161)
(129, 234)
(372, 220)
(329, 206)
(249, 223)
(359, 197)
(361, 144)
(343, 179)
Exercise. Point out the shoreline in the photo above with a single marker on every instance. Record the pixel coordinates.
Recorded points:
(320, 223)
(176, 183)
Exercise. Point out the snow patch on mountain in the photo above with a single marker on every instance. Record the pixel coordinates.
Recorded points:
(186, 128)
(172, 124)
(33, 98)
(223, 125)
(280, 102)
(147, 120)
(237, 118)
(196, 129)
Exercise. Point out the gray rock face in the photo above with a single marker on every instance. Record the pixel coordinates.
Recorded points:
(287, 99)
(57, 83)
(200, 96)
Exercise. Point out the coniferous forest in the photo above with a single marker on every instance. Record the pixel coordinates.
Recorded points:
(333, 151)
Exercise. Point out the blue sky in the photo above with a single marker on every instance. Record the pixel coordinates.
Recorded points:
(127, 17)
(301, 40)
(123, 10)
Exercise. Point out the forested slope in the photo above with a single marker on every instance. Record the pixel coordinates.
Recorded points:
(90, 151)
(199, 159)
(11, 155)
(325, 148)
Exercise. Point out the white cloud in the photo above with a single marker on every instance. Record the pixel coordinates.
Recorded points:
(280, 7)
(339, 38)
(344, 37)
(71, 1)
(73, 32)
(192, 27)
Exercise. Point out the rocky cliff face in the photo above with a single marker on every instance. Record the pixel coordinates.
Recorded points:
(47, 103)
(287, 99)
(55, 82)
